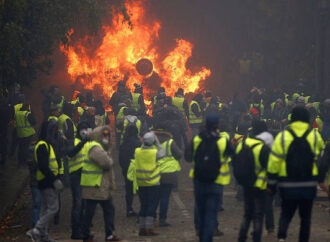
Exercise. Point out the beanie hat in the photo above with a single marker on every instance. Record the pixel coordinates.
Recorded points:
(149, 138)
(300, 113)
(212, 121)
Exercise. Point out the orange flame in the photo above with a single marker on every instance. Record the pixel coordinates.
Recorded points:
(124, 43)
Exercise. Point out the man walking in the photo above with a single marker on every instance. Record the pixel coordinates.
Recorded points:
(292, 163)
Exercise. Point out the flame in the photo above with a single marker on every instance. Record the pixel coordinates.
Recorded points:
(102, 65)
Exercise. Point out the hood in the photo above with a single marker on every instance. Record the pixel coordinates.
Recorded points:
(131, 118)
(267, 138)
(97, 135)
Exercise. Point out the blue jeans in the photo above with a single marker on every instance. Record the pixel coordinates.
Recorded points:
(164, 199)
(77, 203)
(148, 200)
(36, 204)
(207, 200)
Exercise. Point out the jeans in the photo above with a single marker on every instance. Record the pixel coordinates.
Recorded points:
(36, 204)
(108, 216)
(149, 197)
(207, 199)
(164, 199)
(289, 207)
(77, 203)
(254, 206)
(48, 209)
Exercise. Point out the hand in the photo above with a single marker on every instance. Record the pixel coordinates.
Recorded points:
(58, 185)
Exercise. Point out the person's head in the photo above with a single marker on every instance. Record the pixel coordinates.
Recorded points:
(212, 122)
(300, 113)
(83, 129)
(258, 127)
(49, 131)
(149, 139)
(68, 109)
(102, 135)
(137, 88)
(179, 92)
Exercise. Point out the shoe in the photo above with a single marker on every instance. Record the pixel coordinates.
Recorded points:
(34, 234)
(281, 240)
(90, 238)
(131, 213)
(48, 240)
(163, 223)
(112, 238)
(151, 232)
(77, 236)
(270, 231)
(218, 233)
(143, 232)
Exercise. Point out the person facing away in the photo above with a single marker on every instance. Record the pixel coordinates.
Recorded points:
(208, 148)
(131, 141)
(254, 194)
(293, 169)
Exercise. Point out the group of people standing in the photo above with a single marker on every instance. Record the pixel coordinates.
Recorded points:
(74, 142)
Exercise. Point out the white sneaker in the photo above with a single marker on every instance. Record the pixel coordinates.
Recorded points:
(34, 234)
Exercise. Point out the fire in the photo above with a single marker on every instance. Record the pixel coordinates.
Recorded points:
(102, 65)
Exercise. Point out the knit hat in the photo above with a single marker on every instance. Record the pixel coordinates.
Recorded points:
(149, 138)
(300, 113)
(212, 121)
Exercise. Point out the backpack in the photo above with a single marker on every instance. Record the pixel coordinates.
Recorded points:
(300, 158)
(207, 162)
(244, 165)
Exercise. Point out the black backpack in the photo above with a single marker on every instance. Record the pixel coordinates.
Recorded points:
(244, 165)
(207, 161)
(300, 158)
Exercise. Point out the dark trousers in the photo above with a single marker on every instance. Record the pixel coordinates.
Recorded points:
(207, 199)
(148, 200)
(3, 147)
(77, 203)
(23, 149)
(108, 216)
(164, 199)
(254, 206)
(289, 207)
(128, 191)
(269, 212)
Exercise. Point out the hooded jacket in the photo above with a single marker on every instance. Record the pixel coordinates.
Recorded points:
(102, 158)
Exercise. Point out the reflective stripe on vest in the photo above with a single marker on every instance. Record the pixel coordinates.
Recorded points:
(193, 119)
(147, 167)
(168, 163)
(23, 126)
(91, 174)
(53, 165)
(76, 162)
